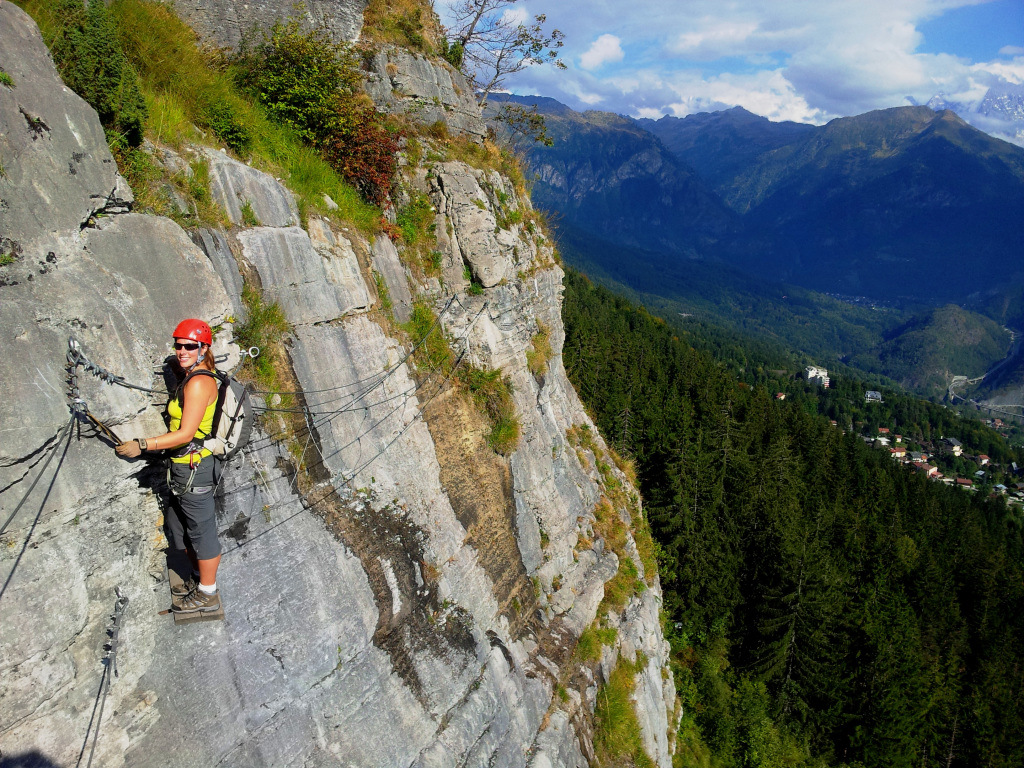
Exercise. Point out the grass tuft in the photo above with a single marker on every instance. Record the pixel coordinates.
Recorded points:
(540, 352)
(493, 393)
(265, 327)
(616, 728)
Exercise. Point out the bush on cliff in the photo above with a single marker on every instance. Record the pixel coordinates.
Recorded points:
(312, 84)
(91, 61)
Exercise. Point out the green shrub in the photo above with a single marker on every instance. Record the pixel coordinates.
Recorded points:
(300, 77)
(311, 84)
(6, 79)
(228, 125)
(91, 61)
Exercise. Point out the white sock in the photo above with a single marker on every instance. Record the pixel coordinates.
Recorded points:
(208, 590)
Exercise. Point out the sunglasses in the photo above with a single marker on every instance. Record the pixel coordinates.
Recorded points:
(189, 347)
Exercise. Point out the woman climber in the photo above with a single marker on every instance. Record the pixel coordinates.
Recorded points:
(192, 520)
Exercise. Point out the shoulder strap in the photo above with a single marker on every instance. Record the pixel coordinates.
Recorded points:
(218, 376)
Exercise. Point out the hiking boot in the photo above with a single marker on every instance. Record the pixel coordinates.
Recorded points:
(183, 589)
(197, 601)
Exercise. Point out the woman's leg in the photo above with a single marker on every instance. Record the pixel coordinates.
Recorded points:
(200, 512)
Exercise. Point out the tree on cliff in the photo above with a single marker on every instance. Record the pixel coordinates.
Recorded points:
(492, 39)
(92, 63)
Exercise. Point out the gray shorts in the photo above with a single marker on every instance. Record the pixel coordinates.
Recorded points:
(192, 518)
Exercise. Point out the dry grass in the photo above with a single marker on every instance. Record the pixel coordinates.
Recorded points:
(407, 23)
(540, 352)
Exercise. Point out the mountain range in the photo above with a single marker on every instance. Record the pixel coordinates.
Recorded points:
(905, 208)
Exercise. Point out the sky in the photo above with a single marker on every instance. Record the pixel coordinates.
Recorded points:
(803, 60)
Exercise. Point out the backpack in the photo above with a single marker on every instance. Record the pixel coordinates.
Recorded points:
(233, 417)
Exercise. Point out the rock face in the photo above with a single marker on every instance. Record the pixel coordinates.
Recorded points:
(223, 23)
(396, 594)
(402, 82)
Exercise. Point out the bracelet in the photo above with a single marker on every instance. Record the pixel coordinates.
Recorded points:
(142, 442)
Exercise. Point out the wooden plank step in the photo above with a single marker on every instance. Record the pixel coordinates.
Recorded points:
(192, 618)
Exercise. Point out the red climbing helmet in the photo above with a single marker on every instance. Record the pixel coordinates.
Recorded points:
(194, 329)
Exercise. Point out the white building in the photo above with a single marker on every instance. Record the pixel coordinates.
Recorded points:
(816, 374)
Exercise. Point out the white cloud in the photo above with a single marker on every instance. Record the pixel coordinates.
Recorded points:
(808, 60)
(709, 38)
(1013, 71)
(605, 49)
(515, 16)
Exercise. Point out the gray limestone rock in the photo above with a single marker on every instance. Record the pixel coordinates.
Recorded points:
(458, 194)
(218, 250)
(57, 170)
(311, 288)
(427, 91)
(332, 245)
(235, 185)
(224, 23)
(385, 260)
(363, 626)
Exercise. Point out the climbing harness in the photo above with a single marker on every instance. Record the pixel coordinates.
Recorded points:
(109, 662)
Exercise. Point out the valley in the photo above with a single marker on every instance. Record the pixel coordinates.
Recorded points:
(769, 228)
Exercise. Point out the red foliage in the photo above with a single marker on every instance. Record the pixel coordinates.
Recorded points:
(389, 229)
(366, 154)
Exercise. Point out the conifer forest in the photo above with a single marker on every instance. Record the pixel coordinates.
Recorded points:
(826, 606)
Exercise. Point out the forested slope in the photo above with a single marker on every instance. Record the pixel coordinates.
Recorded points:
(830, 608)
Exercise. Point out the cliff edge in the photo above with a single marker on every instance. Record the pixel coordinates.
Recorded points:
(397, 593)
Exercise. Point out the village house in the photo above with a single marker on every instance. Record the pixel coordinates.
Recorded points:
(983, 459)
(871, 396)
(963, 482)
(952, 445)
(899, 452)
(918, 456)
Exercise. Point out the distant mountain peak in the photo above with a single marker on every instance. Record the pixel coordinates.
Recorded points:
(999, 112)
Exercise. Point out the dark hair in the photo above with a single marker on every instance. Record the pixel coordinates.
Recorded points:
(207, 362)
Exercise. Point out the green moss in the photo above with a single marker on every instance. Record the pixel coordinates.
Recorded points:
(6, 79)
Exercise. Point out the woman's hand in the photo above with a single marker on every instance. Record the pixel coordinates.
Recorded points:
(129, 450)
